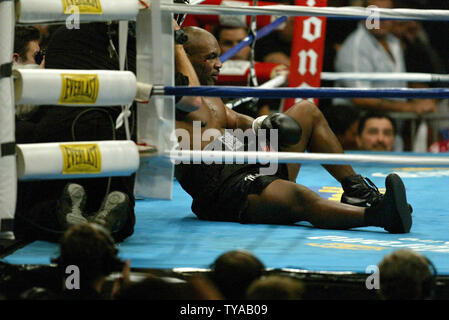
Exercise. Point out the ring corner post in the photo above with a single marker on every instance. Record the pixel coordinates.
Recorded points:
(8, 174)
(156, 120)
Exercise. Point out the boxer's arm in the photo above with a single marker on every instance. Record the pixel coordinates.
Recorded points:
(183, 66)
(237, 120)
(289, 130)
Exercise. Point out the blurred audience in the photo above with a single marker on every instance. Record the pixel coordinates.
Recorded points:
(276, 46)
(27, 51)
(432, 34)
(158, 288)
(337, 30)
(376, 49)
(276, 287)
(376, 132)
(233, 272)
(419, 55)
(406, 275)
(230, 36)
(46, 31)
(402, 275)
(38, 293)
(344, 122)
(91, 249)
(153, 288)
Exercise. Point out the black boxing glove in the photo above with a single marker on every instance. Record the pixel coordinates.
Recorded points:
(289, 130)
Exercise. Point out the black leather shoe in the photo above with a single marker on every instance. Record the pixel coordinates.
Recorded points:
(392, 212)
(359, 191)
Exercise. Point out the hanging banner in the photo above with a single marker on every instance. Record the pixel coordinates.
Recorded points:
(306, 59)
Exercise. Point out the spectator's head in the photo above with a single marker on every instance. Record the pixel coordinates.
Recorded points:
(406, 275)
(286, 33)
(233, 272)
(379, 3)
(154, 288)
(276, 288)
(204, 53)
(92, 250)
(26, 46)
(38, 293)
(376, 132)
(45, 30)
(407, 30)
(385, 26)
(229, 37)
(157, 288)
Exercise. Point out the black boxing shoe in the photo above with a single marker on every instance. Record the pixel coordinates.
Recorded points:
(360, 192)
(113, 212)
(392, 212)
(71, 205)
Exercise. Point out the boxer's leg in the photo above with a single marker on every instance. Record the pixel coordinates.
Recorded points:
(284, 202)
(317, 137)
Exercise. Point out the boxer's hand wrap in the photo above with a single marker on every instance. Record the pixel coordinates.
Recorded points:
(289, 130)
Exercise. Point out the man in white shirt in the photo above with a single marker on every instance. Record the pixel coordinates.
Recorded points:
(376, 49)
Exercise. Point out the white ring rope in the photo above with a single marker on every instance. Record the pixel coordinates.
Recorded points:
(382, 76)
(54, 11)
(330, 12)
(195, 156)
(276, 82)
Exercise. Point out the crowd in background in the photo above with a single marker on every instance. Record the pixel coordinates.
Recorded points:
(88, 267)
(394, 47)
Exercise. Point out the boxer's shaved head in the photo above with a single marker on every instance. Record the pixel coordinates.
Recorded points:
(204, 53)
